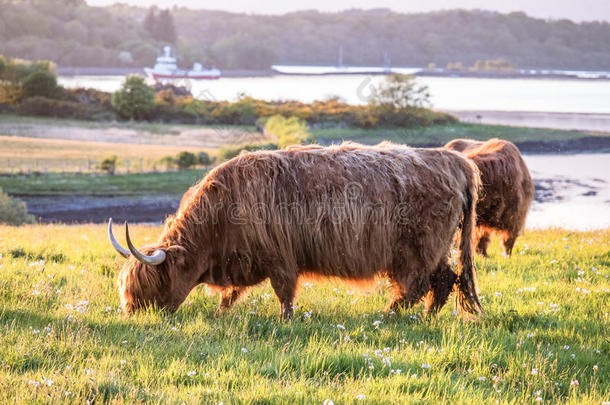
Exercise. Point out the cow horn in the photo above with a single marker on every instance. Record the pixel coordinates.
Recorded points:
(115, 243)
(155, 259)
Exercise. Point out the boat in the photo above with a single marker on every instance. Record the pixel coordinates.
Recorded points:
(166, 69)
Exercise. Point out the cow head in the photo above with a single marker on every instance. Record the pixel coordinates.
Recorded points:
(151, 276)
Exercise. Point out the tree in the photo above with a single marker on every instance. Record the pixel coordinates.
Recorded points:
(150, 21)
(401, 91)
(166, 30)
(40, 83)
(135, 99)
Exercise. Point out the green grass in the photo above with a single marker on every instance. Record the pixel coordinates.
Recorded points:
(74, 184)
(441, 134)
(546, 325)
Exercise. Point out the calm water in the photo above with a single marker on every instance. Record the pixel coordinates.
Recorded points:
(572, 191)
(549, 95)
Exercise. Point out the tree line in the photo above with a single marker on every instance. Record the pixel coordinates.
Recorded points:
(71, 33)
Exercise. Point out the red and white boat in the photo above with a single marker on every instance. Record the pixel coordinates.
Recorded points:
(166, 69)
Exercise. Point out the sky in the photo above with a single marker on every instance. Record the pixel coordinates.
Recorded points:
(577, 10)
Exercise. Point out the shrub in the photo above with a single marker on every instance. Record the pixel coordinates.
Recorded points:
(185, 159)
(40, 83)
(135, 99)
(204, 158)
(289, 131)
(168, 161)
(230, 151)
(109, 164)
(45, 107)
(401, 91)
(13, 211)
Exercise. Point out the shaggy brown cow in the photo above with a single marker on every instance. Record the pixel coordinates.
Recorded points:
(347, 211)
(506, 193)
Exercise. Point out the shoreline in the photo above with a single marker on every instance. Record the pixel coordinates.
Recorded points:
(237, 73)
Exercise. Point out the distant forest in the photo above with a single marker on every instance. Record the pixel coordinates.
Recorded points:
(71, 33)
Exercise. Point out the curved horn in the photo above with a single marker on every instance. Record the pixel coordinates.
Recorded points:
(155, 259)
(115, 244)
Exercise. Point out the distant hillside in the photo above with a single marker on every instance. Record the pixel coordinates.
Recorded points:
(73, 34)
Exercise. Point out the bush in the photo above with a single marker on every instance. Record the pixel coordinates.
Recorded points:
(168, 161)
(288, 131)
(135, 99)
(40, 83)
(401, 91)
(13, 211)
(109, 164)
(230, 151)
(45, 107)
(185, 159)
(204, 158)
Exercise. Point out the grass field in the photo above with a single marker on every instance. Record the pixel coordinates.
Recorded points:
(441, 134)
(20, 154)
(76, 184)
(544, 337)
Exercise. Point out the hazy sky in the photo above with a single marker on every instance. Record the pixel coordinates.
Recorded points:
(577, 10)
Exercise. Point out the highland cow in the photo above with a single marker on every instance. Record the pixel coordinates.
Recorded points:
(350, 212)
(506, 191)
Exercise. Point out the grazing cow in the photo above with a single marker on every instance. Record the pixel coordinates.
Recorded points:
(348, 211)
(506, 191)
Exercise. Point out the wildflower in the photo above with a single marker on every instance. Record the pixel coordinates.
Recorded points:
(482, 378)
(36, 331)
(376, 323)
(573, 355)
(566, 347)
(534, 371)
(574, 383)
(191, 373)
(123, 361)
(244, 350)
(425, 366)
(530, 335)
(538, 399)
(328, 402)
(34, 383)
(595, 367)
(360, 397)
(339, 326)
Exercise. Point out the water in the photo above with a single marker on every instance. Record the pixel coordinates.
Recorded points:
(572, 191)
(448, 93)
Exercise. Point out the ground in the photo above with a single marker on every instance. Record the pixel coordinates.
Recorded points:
(544, 335)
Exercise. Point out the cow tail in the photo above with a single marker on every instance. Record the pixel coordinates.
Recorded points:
(467, 298)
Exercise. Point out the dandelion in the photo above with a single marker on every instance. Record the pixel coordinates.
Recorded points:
(360, 397)
(244, 350)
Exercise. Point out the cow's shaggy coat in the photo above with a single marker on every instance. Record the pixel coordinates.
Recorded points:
(506, 193)
(347, 211)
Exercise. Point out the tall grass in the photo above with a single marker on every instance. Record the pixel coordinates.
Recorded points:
(544, 336)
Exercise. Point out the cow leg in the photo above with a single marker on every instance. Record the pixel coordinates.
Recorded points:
(508, 241)
(441, 285)
(483, 243)
(410, 286)
(285, 290)
(228, 297)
